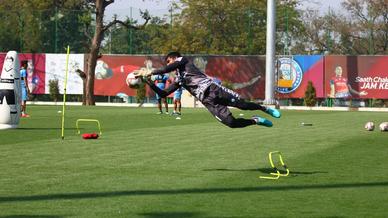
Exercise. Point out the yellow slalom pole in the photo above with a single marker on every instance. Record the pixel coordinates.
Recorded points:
(64, 92)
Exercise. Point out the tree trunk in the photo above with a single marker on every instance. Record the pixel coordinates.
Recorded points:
(91, 65)
(93, 54)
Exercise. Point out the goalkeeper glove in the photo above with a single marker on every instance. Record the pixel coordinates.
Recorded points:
(143, 72)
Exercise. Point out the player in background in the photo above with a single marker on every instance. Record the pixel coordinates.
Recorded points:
(177, 95)
(177, 102)
(161, 80)
(25, 89)
(214, 97)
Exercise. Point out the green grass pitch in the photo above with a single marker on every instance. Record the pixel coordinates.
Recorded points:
(153, 166)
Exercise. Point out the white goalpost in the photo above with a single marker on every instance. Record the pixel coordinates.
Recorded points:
(270, 53)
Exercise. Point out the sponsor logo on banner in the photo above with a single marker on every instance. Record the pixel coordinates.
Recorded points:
(289, 70)
(379, 83)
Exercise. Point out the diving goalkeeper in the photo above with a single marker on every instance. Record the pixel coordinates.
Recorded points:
(214, 97)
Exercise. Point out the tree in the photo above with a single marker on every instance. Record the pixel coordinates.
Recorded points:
(219, 27)
(100, 29)
(317, 34)
(122, 40)
(362, 28)
(210, 27)
(54, 89)
(370, 21)
(310, 96)
(9, 39)
(66, 21)
(41, 25)
(19, 25)
(289, 27)
(223, 27)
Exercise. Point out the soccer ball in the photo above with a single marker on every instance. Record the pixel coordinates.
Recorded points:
(383, 126)
(102, 70)
(133, 82)
(370, 126)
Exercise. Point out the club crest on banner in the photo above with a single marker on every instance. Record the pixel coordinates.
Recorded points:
(290, 75)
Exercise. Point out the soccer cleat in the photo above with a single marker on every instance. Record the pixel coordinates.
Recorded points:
(273, 112)
(175, 113)
(262, 121)
(160, 112)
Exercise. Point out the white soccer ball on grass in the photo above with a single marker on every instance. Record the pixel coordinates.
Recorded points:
(383, 126)
(370, 126)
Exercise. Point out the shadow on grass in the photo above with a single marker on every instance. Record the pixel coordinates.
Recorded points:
(182, 214)
(45, 128)
(170, 214)
(86, 195)
(31, 216)
(267, 171)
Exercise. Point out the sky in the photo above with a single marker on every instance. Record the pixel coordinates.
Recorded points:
(322, 6)
(122, 8)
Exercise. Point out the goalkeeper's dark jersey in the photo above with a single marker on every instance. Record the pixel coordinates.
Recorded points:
(188, 76)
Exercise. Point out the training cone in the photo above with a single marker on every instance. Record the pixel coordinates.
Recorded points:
(90, 136)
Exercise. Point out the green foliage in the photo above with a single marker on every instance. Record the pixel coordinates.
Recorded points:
(121, 40)
(198, 27)
(42, 25)
(310, 96)
(228, 27)
(221, 27)
(54, 89)
(208, 26)
(203, 26)
(358, 27)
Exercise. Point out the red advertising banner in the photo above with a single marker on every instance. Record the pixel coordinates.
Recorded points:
(245, 73)
(356, 77)
(333, 76)
(112, 71)
(35, 70)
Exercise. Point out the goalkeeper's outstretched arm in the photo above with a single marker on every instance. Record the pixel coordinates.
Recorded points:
(163, 93)
(179, 63)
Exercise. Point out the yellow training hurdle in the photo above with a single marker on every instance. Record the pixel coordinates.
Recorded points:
(276, 175)
(88, 120)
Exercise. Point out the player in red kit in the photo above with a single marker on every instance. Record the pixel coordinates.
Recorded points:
(340, 88)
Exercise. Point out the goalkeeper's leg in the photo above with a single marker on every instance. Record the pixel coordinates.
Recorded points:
(223, 114)
(227, 97)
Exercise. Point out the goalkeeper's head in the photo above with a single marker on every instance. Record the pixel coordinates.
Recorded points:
(170, 57)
